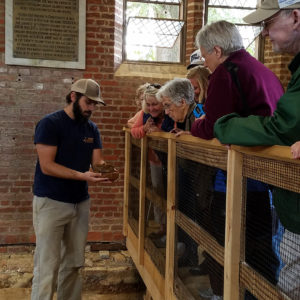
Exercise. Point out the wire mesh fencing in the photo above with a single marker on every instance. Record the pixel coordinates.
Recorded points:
(134, 193)
(156, 203)
(236, 220)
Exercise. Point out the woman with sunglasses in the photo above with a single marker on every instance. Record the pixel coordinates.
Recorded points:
(154, 118)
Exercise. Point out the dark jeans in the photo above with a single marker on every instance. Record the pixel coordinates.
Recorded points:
(258, 249)
(194, 192)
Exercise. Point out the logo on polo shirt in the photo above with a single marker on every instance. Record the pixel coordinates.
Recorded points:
(88, 140)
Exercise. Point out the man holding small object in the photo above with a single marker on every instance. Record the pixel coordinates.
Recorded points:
(67, 143)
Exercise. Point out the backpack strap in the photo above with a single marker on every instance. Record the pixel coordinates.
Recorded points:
(232, 68)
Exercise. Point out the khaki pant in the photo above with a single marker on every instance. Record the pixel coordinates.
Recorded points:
(289, 276)
(61, 230)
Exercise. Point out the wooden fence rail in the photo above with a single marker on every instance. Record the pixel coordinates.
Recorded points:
(240, 162)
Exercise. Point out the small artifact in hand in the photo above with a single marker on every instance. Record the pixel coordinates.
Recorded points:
(107, 170)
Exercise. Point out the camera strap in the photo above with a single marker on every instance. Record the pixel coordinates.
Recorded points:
(232, 68)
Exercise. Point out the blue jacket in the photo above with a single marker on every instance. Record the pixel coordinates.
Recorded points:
(167, 124)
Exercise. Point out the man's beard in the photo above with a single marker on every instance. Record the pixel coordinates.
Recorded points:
(79, 115)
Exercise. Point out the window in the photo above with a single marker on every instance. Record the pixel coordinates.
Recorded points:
(154, 30)
(234, 11)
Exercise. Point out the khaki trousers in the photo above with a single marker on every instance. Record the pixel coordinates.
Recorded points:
(289, 276)
(61, 230)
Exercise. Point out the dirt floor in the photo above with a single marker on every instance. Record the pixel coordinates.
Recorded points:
(24, 294)
(193, 283)
(108, 275)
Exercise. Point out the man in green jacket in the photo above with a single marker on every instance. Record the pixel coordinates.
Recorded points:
(280, 20)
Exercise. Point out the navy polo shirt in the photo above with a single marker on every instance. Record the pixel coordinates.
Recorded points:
(75, 144)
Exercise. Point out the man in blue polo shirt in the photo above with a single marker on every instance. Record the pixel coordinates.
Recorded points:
(67, 143)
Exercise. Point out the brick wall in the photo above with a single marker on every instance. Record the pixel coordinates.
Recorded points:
(195, 19)
(28, 93)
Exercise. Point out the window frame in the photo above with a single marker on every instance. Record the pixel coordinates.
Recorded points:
(182, 35)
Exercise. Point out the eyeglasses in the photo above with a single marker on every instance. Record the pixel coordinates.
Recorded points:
(167, 105)
(155, 85)
(265, 24)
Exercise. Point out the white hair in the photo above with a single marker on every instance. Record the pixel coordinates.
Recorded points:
(177, 89)
(222, 34)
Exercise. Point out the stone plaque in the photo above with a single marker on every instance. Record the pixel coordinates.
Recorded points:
(45, 33)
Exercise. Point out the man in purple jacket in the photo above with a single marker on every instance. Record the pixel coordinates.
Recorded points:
(238, 83)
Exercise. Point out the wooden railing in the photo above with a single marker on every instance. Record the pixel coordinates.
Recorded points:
(272, 165)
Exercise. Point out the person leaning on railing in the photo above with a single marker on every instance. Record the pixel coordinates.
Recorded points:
(153, 119)
(282, 25)
(238, 83)
(177, 97)
(139, 97)
(198, 76)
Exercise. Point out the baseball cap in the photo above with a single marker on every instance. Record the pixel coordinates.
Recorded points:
(195, 60)
(89, 88)
(268, 8)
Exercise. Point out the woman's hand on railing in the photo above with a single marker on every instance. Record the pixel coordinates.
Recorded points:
(295, 150)
(149, 123)
(153, 128)
(179, 132)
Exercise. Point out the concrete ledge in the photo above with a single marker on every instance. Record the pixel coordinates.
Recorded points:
(148, 70)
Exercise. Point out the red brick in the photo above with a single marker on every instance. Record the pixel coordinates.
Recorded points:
(24, 107)
(107, 236)
(95, 236)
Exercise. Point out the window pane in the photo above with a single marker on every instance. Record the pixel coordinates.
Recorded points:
(230, 14)
(161, 11)
(153, 31)
(153, 53)
(234, 12)
(249, 33)
(236, 3)
(165, 1)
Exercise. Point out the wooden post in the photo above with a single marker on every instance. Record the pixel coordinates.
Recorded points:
(141, 241)
(126, 181)
(147, 295)
(170, 243)
(233, 225)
